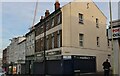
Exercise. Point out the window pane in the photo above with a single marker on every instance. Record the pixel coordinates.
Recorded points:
(52, 41)
(52, 22)
(81, 43)
(81, 36)
(47, 25)
(58, 19)
(97, 22)
(80, 18)
(81, 39)
(98, 41)
(47, 44)
(58, 40)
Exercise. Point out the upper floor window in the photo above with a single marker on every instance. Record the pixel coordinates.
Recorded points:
(58, 19)
(47, 43)
(58, 39)
(52, 22)
(98, 41)
(108, 42)
(41, 44)
(52, 40)
(81, 38)
(80, 18)
(42, 29)
(97, 23)
(47, 25)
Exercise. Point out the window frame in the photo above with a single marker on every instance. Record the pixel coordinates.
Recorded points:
(81, 18)
(47, 42)
(58, 39)
(98, 41)
(81, 40)
(52, 40)
(97, 22)
(52, 22)
(59, 19)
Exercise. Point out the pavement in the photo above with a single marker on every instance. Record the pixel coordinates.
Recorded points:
(78, 74)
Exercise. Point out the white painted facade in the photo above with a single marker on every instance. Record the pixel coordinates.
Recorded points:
(22, 49)
(30, 44)
(15, 51)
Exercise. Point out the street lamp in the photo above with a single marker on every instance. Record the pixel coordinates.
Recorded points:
(115, 57)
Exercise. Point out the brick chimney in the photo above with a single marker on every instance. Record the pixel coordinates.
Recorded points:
(57, 5)
(41, 18)
(47, 13)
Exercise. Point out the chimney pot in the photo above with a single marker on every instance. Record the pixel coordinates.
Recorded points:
(41, 18)
(57, 5)
(47, 13)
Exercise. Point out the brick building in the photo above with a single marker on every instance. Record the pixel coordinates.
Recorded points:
(73, 38)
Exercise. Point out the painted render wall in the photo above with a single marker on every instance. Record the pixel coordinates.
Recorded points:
(71, 28)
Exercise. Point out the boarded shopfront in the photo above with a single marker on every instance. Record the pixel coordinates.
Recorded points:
(68, 65)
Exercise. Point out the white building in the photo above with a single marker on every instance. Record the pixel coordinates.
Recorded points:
(16, 50)
(30, 45)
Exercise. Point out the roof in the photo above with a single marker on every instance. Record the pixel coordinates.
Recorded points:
(52, 14)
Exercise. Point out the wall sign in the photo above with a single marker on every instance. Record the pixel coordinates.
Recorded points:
(116, 33)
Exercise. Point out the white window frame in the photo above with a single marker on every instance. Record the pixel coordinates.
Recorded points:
(52, 41)
(58, 39)
(52, 22)
(58, 19)
(47, 43)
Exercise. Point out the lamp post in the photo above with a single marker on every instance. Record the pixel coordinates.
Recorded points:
(115, 51)
(110, 10)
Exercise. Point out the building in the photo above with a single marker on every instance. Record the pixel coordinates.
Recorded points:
(30, 45)
(14, 50)
(71, 39)
(116, 45)
(16, 54)
(21, 56)
(5, 59)
(0, 62)
(30, 49)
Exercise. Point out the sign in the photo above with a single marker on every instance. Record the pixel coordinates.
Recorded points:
(67, 57)
(53, 58)
(115, 31)
(84, 57)
(53, 53)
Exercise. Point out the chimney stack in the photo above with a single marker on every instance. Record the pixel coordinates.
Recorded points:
(41, 18)
(57, 5)
(47, 13)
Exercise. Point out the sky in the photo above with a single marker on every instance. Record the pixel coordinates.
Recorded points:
(17, 17)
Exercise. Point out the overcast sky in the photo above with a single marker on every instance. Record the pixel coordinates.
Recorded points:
(17, 17)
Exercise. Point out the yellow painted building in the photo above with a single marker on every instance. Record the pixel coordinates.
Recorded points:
(87, 20)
